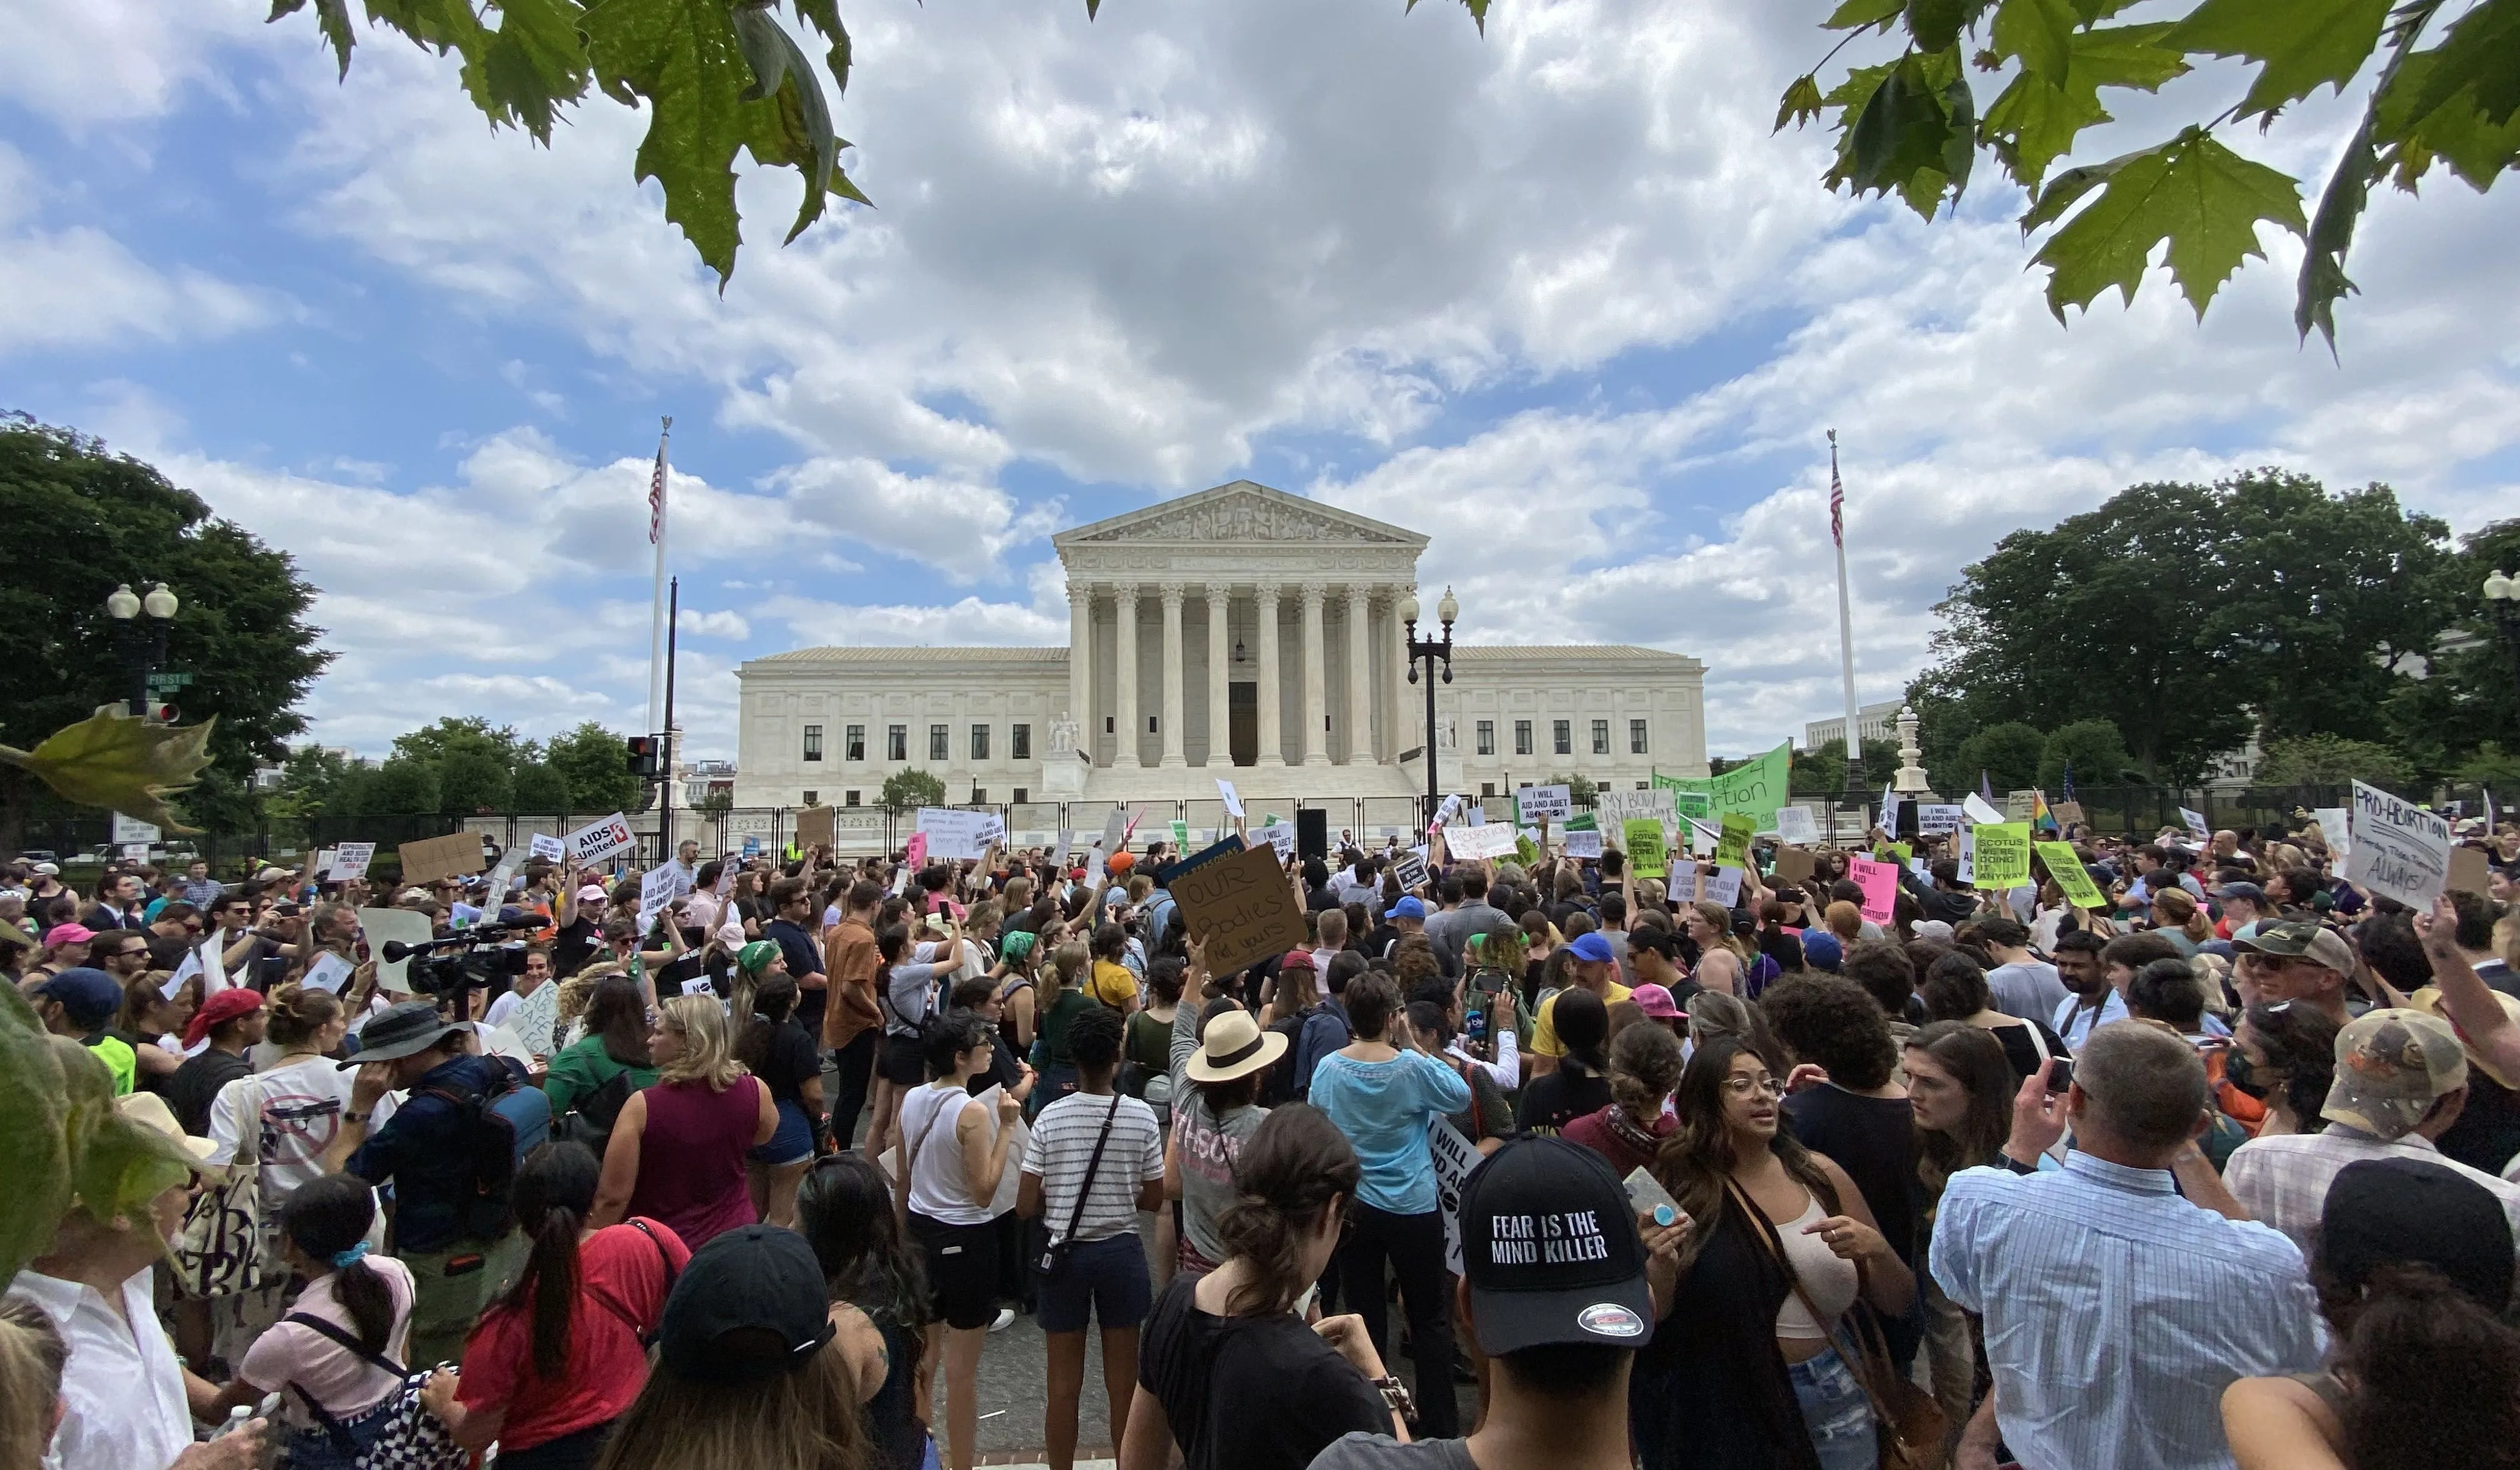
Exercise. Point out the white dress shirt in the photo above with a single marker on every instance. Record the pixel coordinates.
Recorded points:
(123, 1389)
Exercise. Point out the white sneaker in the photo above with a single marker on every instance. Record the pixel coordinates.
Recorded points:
(1006, 1319)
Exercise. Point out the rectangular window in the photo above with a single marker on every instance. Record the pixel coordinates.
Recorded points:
(1636, 738)
(1022, 794)
(897, 742)
(1019, 743)
(1600, 737)
(1487, 737)
(1108, 727)
(852, 800)
(1522, 738)
(813, 798)
(857, 743)
(979, 742)
(1487, 788)
(1150, 724)
(1561, 737)
(936, 739)
(813, 743)
(979, 796)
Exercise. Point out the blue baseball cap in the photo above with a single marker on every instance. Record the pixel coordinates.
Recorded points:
(1821, 950)
(1408, 908)
(89, 997)
(1593, 948)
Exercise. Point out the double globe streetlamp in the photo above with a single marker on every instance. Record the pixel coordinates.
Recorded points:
(144, 655)
(1431, 652)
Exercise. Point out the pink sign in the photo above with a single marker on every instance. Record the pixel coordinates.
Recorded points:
(917, 858)
(1880, 884)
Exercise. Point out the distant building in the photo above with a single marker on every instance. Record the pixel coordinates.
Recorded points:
(1877, 722)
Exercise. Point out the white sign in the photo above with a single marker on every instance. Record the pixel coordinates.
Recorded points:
(1974, 807)
(1722, 886)
(1233, 799)
(1449, 807)
(1703, 836)
(701, 986)
(597, 840)
(1544, 803)
(1584, 844)
(135, 851)
(1455, 1157)
(2400, 851)
(2196, 824)
(1965, 851)
(1680, 885)
(190, 966)
(381, 925)
(328, 973)
(1281, 836)
(350, 861)
(2335, 823)
(495, 894)
(953, 834)
(1795, 827)
(1066, 844)
(1477, 815)
(1936, 819)
(1484, 840)
(1116, 830)
(544, 845)
(657, 889)
(130, 829)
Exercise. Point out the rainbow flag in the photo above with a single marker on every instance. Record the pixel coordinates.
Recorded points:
(2040, 816)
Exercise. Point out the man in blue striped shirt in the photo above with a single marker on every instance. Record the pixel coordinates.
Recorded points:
(2116, 1311)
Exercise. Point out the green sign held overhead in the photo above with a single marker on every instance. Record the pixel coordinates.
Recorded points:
(1755, 788)
(1733, 849)
(1643, 841)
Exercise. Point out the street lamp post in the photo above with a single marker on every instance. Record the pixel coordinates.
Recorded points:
(1430, 651)
(2502, 599)
(144, 654)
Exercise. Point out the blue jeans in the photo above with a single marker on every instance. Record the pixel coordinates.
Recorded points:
(1836, 1413)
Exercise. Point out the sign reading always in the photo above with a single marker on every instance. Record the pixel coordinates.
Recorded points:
(1240, 908)
(1455, 1157)
(597, 840)
(2400, 851)
(2002, 854)
(1643, 839)
(1880, 884)
(454, 856)
(1544, 803)
(2066, 868)
(350, 861)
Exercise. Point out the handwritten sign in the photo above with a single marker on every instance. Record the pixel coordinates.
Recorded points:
(2197, 825)
(2337, 827)
(1544, 803)
(1733, 849)
(456, 856)
(816, 826)
(954, 834)
(1795, 826)
(2002, 854)
(1584, 844)
(597, 840)
(1231, 798)
(1647, 858)
(2400, 851)
(1281, 838)
(1455, 1156)
(1487, 840)
(2065, 866)
(1227, 847)
(1616, 809)
(1240, 908)
(1755, 787)
(1880, 884)
(546, 848)
(2068, 813)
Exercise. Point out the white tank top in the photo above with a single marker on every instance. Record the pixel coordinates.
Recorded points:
(1829, 1279)
(938, 1187)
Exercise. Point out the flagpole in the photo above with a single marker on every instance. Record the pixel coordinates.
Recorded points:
(656, 613)
(1845, 629)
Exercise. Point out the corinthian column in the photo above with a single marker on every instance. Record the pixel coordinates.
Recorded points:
(1272, 746)
(1316, 651)
(1171, 719)
(1080, 665)
(1360, 677)
(1220, 665)
(1124, 753)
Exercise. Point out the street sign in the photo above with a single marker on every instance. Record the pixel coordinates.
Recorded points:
(169, 681)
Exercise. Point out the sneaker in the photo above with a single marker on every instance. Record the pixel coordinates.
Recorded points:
(1006, 1319)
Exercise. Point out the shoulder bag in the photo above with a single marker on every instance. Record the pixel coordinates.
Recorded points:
(220, 1252)
(1056, 1255)
(398, 1434)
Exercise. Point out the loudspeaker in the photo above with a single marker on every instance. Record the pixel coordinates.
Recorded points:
(1312, 833)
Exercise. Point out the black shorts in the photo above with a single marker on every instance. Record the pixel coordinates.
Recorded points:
(903, 1063)
(962, 1269)
(1101, 1281)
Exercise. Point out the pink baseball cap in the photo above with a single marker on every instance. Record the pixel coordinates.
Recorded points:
(1655, 1002)
(71, 933)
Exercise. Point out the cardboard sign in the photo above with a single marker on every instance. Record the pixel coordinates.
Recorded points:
(2197, 825)
(1482, 840)
(1794, 825)
(546, 848)
(953, 834)
(2068, 813)
(1544, 803)
(130, 829)
(1411, 870)
(816, 826)
(597, 840)
(2071, 876)
(2002, 854)
(378, 925)
(1233, 799)
(1645, 854)
(1937, 818)
(350, 861)
(1880, 884)
(2337, 826)
(2400, 851)
(1455, 1156)
(328, 973)
(1166, 876)
(1793, 864)
(1240, 908)
(1733, 849)
(2469, 871)
(1584, 844)
(456, 856)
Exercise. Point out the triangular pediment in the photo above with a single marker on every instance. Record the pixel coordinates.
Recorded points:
(1241, 512)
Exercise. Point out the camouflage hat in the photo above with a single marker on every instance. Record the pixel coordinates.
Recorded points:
(2298, 937)
(2390, 1067)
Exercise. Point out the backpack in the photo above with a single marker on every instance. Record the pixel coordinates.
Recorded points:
(1277, 1083)
(591, 1121)
(501, 1123)
(1326, 1030)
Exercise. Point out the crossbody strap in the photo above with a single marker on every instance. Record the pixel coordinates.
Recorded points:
(1863, 1367)
(1093, 1166)
(373, 1360)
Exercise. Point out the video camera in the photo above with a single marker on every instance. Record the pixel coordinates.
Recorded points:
(484, 956)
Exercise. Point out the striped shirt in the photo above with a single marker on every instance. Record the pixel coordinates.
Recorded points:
(1062, 1144)
(2117, 1313)
(2282, 1178)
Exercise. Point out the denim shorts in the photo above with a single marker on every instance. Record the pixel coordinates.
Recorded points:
(792, 1144)
(1836, 1413)
(1101, 1280)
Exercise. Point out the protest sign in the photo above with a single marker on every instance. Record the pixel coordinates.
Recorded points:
(1170, 872)
(2400, 851)
(1794, 825)
(544, 847)
(454, 856)
(597, 840)
(2197, 827)
(1937, 818)
(954, 834)
(700, 985)
(752, 848)
(1795, 866)
(1582, 822)
(2065, 866)
(2002, 854)
(1544, 803)
(1703, 836)
(1447, 809)
(1587, 844)
(1231, 798)
(2338, 828)
(914, 853)
(1240, 908)
(1115, 830)
(495, 892)
(1181, 837)
(130, 829)
(1487, 840)
(2469, 871)
(1455, 1157)
(1880, 884)
(1477, 814)
(656, 891)
(2068, 813)
(328, 973)
(1733, 849)
(816, 826)
(1974, 807)
(190, 966)
(1680, 885)
(1643, 839)
(1964, 854)
(1526, 845)
(1721, 886)
(350, 861)
(378, 926)
(135, 851)
(1616, 809)
(1755, 787)
(1281, 837)
(1067, 845)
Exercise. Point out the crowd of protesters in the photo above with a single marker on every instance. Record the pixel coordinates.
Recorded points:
(2224, 1174)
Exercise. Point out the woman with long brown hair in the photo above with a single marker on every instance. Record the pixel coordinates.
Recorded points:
(1960, 1088)
(1751, 1367)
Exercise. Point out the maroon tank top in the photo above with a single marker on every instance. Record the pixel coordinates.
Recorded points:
(690, 1157)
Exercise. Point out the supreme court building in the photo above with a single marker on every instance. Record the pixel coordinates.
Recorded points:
(1240, 632)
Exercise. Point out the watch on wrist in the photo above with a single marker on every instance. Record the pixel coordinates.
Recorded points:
(2018, 1166)
(348, 1116)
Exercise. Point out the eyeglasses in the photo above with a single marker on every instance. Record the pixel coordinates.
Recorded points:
(1743, 1086)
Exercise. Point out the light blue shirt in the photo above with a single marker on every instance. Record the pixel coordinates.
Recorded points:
(2084, 1020)
(2117, 1313)
(1383, 1107)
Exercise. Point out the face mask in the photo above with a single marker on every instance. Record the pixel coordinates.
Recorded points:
(2241, 1073)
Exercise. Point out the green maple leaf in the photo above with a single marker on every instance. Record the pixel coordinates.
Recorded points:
(119, 761)
(532, 63)
(2300, 45)
(1801, 102)
(2479, 58)
(1937, 24)
(2035, 122)
(1910, 129)
(1854, 15)
(2040, 32)
(2193, 193)
(825, 15)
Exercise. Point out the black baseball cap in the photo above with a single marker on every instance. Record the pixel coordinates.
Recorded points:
(1551, 1251)
(2385, 1212)
(750, 1305)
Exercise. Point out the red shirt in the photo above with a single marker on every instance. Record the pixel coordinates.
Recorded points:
(622, 1280)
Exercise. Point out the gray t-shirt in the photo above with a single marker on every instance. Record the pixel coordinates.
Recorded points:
(1380, 1452)
(2026, 988)
(1205, 1147)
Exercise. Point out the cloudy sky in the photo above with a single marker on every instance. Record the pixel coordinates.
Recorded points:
(1553, 296)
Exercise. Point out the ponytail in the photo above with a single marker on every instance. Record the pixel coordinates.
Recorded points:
(327, 1220)
(555, 1193)
(1296, 1167)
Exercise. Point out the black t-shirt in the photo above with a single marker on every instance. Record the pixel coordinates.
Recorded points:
(197, 1086)
(804, 957)
(1874, 1140)
(1553, 1100)
(793, 1059)
(1250, 1393)
(575, 944)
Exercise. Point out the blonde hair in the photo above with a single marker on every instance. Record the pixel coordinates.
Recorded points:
(2184, 912)
(708, 1050)
(31, 1358)
(1067, 967)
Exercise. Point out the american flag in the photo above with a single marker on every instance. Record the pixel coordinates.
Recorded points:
(657, 489)
(1836, 495)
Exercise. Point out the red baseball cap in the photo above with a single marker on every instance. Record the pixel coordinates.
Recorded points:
(219, 1009)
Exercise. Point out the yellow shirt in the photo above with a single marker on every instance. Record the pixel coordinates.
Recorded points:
(1112, 984)
(1543, 1031)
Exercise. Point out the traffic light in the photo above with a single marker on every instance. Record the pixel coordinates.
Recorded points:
(646, 757)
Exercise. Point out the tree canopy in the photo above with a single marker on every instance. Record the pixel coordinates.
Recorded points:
(911, 789)
(463, 765)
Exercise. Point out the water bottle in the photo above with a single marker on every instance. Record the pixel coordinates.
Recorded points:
(238, 1419)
